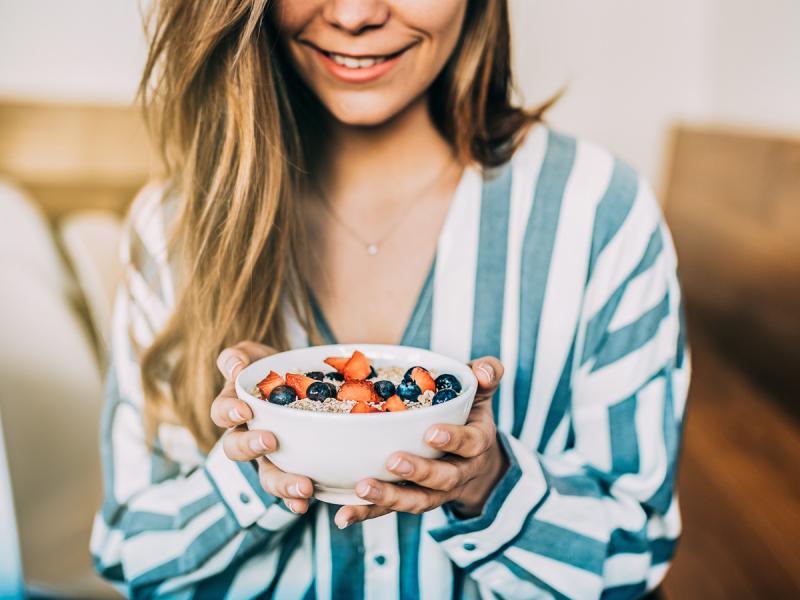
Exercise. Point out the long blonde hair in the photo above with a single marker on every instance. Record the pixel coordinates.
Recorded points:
(221, 101)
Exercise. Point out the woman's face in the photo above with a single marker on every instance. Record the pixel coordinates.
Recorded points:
(367, 60)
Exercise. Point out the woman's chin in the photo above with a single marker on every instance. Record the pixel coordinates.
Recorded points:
(358, 113)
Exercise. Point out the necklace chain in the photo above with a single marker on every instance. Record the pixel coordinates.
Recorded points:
(373, 247)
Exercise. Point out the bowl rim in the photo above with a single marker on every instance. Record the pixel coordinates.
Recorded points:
(471, 385)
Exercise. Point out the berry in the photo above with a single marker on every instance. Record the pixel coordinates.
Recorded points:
(357, 367)
(269, 383)
(318, 375)
(384, 388)
(335, 375)
(337, 362)
(423, 379)
(446, 381)
(299, 382)
(407, 374)
(443, 396)
(360, 391)
(283, 395)
(319, 391)
(408, 390)
(372, 372)
(395, 404)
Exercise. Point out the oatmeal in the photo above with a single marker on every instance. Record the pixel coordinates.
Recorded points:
(356, 386)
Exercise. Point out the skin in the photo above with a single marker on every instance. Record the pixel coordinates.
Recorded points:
(381, 131)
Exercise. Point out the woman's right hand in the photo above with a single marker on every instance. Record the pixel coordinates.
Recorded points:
(241, 444)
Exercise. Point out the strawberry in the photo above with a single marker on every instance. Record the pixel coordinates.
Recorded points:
(363, 407)
(360, 391)
(395, 404)
(269, 383)
(337, 362)
(423, 379)
(357, 367)
(300, 383)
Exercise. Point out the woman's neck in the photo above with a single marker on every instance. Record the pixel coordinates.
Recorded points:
(369, 165)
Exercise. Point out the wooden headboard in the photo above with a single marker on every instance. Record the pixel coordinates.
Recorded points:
(734, 207)
(74, 156)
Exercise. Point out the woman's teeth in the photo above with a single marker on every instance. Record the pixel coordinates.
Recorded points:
(356, 63)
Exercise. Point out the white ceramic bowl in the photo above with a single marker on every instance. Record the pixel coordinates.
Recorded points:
(336, 450)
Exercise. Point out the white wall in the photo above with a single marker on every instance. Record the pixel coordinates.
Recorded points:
(631, 67)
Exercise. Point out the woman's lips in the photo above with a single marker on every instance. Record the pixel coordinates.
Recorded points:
(358, 74)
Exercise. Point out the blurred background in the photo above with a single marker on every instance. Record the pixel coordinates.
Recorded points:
(703, 96)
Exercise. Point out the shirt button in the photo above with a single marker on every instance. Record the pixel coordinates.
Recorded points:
(379, 559)
(469, 546)
(244, 498)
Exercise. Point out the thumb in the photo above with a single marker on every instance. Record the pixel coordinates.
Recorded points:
(235, 358)
(488, 370)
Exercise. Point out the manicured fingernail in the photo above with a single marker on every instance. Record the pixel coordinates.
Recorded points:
(365, 490)
(400, 466)
(291, 507)
(342, 524)
(487, 370)
(438, 437)
(257, 445)
(235, 416)
(297, 490)
(230, 363)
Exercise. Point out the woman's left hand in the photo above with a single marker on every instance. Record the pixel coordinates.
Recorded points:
(465, 476)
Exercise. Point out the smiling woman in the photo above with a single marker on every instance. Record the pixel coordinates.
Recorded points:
(355, 172)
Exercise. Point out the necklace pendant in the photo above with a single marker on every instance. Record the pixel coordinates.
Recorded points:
(372, 249)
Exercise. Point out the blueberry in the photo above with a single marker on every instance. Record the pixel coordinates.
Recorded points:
(444, 395)
(320, 390)
(335, 375)
(384, 388)
(445, 381)
(407, 375)
(282, 395)
(318, 375)
(408, 390)
(372, 372)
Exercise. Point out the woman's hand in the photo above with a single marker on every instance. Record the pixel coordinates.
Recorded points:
(465, 476)
(243, 445)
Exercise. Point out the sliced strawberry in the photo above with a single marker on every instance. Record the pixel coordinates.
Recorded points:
(363, 407)
(395, 403)
(360, 391)
(337, 362)
(423, 379)
(269, 383)
(357, 367)
(300, 383)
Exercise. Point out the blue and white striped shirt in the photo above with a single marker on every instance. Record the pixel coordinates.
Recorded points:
(559, 263)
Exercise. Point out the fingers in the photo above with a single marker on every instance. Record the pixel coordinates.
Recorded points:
(248, 445)
(284, 485)
(444, 475)
(347, 515)
(232, 360)
(467, 441)
(227, 410)
(400, 498)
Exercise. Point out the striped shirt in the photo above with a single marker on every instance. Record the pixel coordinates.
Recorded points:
(558, 263)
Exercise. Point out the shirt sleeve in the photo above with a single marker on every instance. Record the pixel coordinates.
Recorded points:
(600, 517)
(167, 523)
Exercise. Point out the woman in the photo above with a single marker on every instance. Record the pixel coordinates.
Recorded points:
(356, 171)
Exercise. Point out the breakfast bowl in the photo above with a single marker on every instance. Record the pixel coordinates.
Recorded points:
(338, 449)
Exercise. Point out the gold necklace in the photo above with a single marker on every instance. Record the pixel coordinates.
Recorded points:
(372, 247)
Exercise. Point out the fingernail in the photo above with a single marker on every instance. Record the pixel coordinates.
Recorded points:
(400, 466)
(291, 507)
(365, 490)
(487, 370)
(438, 437)
(230, 363)
(257, 445)
(235, 416)
(342, 524)
(296, 490)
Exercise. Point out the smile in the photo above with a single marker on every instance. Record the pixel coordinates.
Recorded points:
(359, 62)
(357, 68)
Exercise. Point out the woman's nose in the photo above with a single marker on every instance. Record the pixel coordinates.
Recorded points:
(354, 16)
